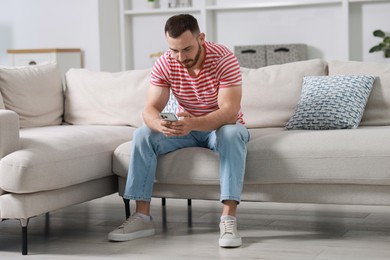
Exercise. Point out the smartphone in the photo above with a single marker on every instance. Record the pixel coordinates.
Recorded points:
(169, 117)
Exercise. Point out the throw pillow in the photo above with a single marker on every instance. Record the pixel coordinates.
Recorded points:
(377, 111)
(105, 98)
(172, 106)
(331, 102)
(270, 94)
(35, 93)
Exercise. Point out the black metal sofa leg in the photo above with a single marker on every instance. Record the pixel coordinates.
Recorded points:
(24, 223)
(127, 207)
(189, 212)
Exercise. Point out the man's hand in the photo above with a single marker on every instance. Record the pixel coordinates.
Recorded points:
(177, 128)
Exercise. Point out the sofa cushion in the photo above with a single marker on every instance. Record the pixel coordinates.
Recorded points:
(331, 102)
(1, 101)
(104, 98)
(9, 132)
(59, 156)
(279, 156)
(349, 156)
(270, 94)
(35, 93)
(377, 110)
(194, 165)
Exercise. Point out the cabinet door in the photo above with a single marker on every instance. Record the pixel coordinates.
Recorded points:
(24, 59)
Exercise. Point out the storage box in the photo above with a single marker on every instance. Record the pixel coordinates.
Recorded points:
(284, 53)
(251, 56)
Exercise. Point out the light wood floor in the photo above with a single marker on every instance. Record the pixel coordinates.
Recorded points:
(269, 230)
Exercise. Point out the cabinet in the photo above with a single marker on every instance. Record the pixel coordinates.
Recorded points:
(65, 58)
(331, 28)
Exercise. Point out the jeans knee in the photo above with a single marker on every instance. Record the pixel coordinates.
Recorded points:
(142, 133)
(232, 132)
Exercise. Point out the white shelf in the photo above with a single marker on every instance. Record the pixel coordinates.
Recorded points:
(367, 1)
(292, 3)
(271, 4)
(160, 11)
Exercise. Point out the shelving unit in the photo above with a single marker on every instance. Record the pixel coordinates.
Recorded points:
(271, 4)
(65, 58)
(207, 10)
(160, 11)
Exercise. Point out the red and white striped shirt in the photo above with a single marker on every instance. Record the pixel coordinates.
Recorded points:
(199, 95)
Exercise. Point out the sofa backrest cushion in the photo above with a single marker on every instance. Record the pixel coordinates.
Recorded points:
(35, 93)
(270, 94)
(377, 111)
(105, 98)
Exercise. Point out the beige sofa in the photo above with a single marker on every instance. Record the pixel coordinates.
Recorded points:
(59, 148)
(346, 166)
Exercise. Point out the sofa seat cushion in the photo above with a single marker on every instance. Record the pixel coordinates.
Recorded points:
(348, 156)
(54, 157)
(276, 155)
(194, 165)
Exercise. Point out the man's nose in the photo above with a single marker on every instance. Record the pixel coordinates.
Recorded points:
(181, 56)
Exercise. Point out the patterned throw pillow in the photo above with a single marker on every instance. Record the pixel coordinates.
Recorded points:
(331, 102)
(172, 106)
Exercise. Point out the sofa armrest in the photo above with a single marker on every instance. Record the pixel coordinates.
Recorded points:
(9, 132)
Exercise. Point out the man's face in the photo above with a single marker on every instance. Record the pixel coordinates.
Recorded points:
(186, 49)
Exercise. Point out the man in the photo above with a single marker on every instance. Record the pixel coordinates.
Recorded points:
(205, 78)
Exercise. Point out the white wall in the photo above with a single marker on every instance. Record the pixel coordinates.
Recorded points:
(36, 24)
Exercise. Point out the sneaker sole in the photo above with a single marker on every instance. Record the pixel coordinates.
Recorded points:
(230, 242)
(131, 236)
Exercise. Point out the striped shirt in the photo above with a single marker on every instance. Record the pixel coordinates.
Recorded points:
(199, 95)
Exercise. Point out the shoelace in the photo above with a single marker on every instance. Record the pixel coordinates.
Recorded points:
(127, 221)
(228, 226)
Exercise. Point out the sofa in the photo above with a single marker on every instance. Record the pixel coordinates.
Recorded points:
(320, 133)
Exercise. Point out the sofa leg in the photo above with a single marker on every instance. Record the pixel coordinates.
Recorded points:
(189, 212)
(164, 218)
(24, 223)
(127, 207)
(47, 225)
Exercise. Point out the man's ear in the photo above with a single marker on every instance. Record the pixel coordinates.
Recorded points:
(202, 37)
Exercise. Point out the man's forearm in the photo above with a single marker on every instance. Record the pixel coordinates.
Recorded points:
(152, 119)
(214, 120)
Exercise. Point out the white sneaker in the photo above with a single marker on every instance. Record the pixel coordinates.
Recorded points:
(134, 227)
(229, 236)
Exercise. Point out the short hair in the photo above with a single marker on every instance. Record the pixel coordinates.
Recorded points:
(178, 24)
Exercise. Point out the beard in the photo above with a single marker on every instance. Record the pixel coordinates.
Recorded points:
(189, 63)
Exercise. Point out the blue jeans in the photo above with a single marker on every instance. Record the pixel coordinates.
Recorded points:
(229, 141)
